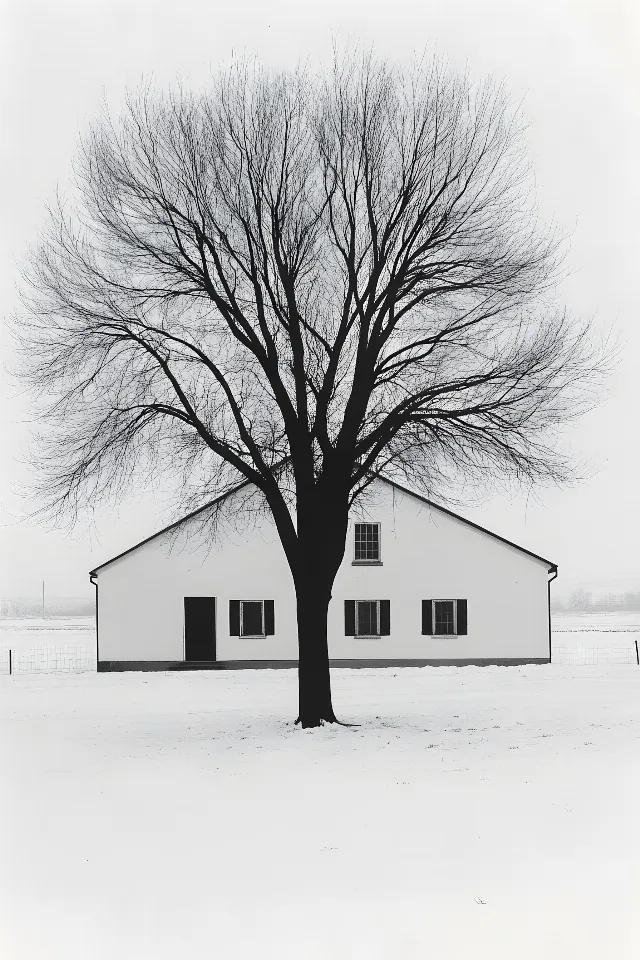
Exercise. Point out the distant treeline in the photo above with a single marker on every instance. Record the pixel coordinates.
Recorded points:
(583, 601)
(54, 607)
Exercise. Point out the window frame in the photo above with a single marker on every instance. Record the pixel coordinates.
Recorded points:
(367, 562)
(252, 636)
(455, 617)
(368, 636)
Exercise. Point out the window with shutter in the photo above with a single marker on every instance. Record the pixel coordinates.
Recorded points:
(251, 618)
(441, 618)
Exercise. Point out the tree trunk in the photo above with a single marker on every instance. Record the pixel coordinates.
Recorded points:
(321, 527)
(314, 682)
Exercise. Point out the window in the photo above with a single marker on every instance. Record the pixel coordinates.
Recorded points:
(442, 618)
(367, 618)
(367, 543)
(251, 618)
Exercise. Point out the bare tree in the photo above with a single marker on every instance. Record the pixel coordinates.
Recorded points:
(581, 600)
(300, 281)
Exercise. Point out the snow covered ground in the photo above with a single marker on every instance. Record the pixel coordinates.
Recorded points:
(627, 622)
(474, 813)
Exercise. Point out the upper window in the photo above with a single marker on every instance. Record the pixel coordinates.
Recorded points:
(367, 543)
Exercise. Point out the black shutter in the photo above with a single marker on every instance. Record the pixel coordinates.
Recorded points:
(385, 618)
(349, 618)
(234, 618)
(269, 618)
(427, 619)
(462, 617)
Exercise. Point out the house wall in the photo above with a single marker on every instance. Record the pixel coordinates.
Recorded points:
(141, 595)
(426, 554)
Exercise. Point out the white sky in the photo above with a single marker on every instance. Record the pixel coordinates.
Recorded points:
(574, 62)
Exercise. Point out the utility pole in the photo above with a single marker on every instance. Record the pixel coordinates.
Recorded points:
(43, 599)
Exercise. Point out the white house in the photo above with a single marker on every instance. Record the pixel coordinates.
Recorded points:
(417, 585)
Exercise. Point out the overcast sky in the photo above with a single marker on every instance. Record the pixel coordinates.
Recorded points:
(575, 64)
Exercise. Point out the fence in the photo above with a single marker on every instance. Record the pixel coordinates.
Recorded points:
(49, 658)
(81, 657)
(587, 655)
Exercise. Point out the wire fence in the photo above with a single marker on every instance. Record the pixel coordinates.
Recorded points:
(48, 658)
(588, 655)
(81, 657)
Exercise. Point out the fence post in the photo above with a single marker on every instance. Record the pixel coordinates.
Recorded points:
(10, 658)
(637, 654)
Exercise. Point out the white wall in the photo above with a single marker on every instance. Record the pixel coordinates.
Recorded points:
(141, 596)
(426, 554)
(429, 555)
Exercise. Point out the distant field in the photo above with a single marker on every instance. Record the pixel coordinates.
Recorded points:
(68, 644)
(28, 624)
(595, 622)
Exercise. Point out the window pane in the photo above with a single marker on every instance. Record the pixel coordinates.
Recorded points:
(367, 542)
(367, 618)
(252, 623)
(443, 619)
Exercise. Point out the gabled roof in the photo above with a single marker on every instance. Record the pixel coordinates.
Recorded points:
(435, 506)
(496, 536)
(172, 526)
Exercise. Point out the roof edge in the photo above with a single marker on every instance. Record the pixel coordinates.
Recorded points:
(552, 567)
(496, 536)
(171, 526)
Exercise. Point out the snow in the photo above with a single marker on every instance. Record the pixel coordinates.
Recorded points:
(474, 813)
(618, 622)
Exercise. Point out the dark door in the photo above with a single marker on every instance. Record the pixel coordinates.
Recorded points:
(200, 628)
